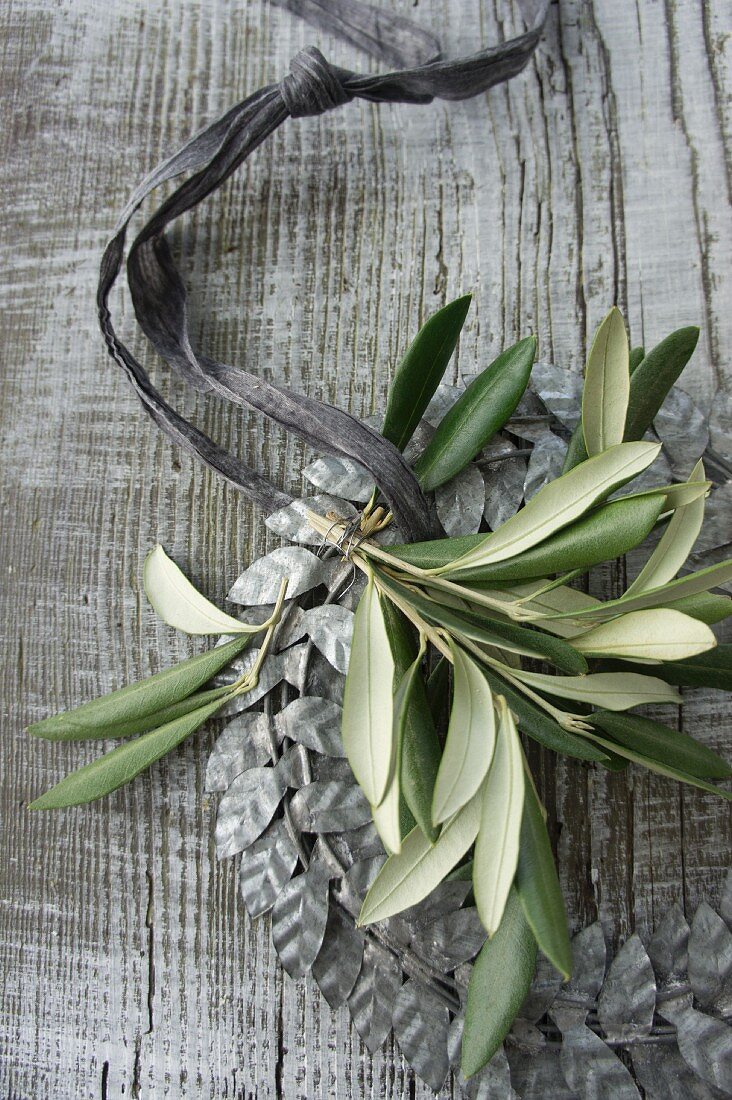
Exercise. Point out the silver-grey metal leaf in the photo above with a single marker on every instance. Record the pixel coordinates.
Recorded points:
(717, 529)
(504, 489)
(294, 767)
(266, 867)
(362, 873)
(422, 435)
(442, 401)
(322, 678)
(545, 463)
(339, 960)
(340, 476)
(706, 1046)
(371, 1000)
(493, 1082)
(720, 424)
(460, 502)
(444, 899)
(244, 743)
(357, 845)
(561, 391)
(330, 767)
(725, 904)
(683, 429)
(330, 628)
(330, 806)
(628, 998)
(299, 918)
(592, 1070)
(530, 418)
(260, 583)
(544, 989)
(668, 947)
(421, 1024)
(246, 809)
(313, 722)
(451, 939)
(710, 960)
(538, 1075)
(588, 972)
(664, 1075)
(271, 674)
(291, 522)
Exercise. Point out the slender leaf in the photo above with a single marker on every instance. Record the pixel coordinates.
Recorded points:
(497, 844)
(537, 884)
(611, 690)
(181, 605)
(560, 503)
(122, 764)
(662, 743)
(408, 878)
(387, 815)
(499, 982)
(658, 635)
(477, 415)
(676, 543)
(637, 355)
(421, 370)
(709, 607)
(471, 737)
(676, 495)
(711, 669)
(367, 724)
(132, 709)
(607, 386)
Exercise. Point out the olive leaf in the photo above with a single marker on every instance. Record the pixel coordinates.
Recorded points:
(477, 415)
(610, 690)
(709, 607)
(636, 357)
(497, 844)
(710, 669)
(560, 503)
(658, 635)
(137, 707)
(676, 543)
(179, 604)
(662, 743)
(421, 370)
(607, 386)
(471, 736)
(367, 725)
(676, 495)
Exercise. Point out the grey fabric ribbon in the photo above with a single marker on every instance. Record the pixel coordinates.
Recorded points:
(312, 87)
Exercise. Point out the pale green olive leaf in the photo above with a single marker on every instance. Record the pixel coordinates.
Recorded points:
(181, 605)
(560, 503)
(676, 496)
(408, 878)
(658, 766)
(607, 386)
(470, 738)
(497, 846)
(609, 690)
(660, 635)
(676, 543)
(367, 725)
(386, 817)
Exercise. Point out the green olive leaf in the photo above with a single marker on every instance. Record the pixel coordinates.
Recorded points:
(711, 669)
(367, 724)
(133, 709)
(662, 743)
(676, 495)
(610, 690)
(607, 386)
(497, 844)
(421, 371)
(560, 503)
(539, 891)
(657, 635)
(676, 543)
(121, 765)
(709, 607)
(470, 740)
(499, 982)
(479, 413)
(636, 357)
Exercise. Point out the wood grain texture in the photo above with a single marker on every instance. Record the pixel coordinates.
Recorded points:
(600, 175)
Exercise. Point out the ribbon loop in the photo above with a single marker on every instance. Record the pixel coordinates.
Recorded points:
(312, 86)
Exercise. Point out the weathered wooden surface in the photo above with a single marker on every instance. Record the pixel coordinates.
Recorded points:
(601, 175)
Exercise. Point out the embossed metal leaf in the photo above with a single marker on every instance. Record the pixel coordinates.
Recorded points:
(330, 806)
(504, 490)
(271, 674)
(372, 998)
(322, 680)
(444, 899)
(591, 1068)
(243, 744)
(339, 959)
(314, 723)
(669, 945)
(357, 845)
(450, 939)
(291, 522)
(545, 463)
(544, 989)
(246, 809)
(683, 429)
(460, 502)
(421, 1024)
(588, 971)
(340, 476)
(265, 868)
(717, 528)
(442, 401)
(329, 627)
(561, 391)
(260, 583)
(725, 904)
(628, 997)
(537, 1075)
(362, 873)
(493, 1082)
(299, 919)
(664, 1075)
(706, 1046)
(710, 960)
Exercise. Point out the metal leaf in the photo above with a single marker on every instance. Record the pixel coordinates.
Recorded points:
(340, 476)
(588, 971)
(720, 424)
(444, 899)
(538, 1075)
(591, 1068)
(422, 435)
(451, 939)
(460, 501)
(291, 522)
(664, 1075)
(246, 809)
(362, 873)
(321, 681)
(299, 918)
(706, 1046)
(357, 845)
(244, 743)
(545, 464)
(442, 401)
(725, 904)
(421, 1024)
(683, 429)
(561, 391)
(260, 583)
(266, 867)
(271, 674)
(710, 960)
(314, 723)
(330, 767)
(330, 628)
(628, 999)
(493, 1082)
(330, 807)
(339, 960)
(504, 490)
(717, 529)
(668, 946)
(544, 989)
(294, 767)
(372, 998)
